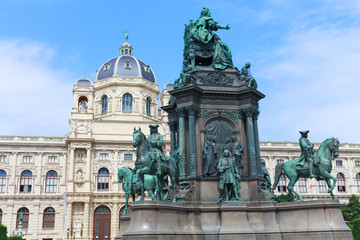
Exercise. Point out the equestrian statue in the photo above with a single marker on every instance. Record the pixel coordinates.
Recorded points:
(310, 165)
(151, 160)
(131, 185)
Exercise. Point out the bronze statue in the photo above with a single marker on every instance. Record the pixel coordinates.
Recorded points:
(209, 157)
(266, 175)
(156, 153)
(236, 149)
(229, 177)
(328, 150)
(307, 153)
(148, 156)
(245, 76)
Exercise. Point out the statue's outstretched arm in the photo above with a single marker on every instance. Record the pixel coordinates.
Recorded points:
(219, 26)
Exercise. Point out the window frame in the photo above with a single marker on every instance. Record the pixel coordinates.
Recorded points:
(26, 182)
(282, 188)
(322, 186)
(128, 157)
(103, 180)
(127, 103)
(3, 181)
(51, 182)
(341, 186)
(104, 104)
(48, 218)
(26, 212)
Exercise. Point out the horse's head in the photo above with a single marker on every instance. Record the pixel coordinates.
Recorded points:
(335, 147)
(120, 175)
(137, 135)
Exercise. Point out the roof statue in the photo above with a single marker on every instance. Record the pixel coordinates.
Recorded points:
(126, 35)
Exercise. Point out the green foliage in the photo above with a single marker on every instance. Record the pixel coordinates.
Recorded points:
(351, 210)
(283, 198)
(14, 238)
(3, 232)
(356, 229)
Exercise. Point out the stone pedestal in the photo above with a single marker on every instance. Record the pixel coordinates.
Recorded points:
(250, 220)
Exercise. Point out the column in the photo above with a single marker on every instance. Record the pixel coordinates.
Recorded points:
(115, 177)
(251, 142)
(182, 143)
(192, 141)
(172, 126)
(257, 144)
(88, 164)
(69, 216)
(86, 220)
(71, 170)
(12, 182)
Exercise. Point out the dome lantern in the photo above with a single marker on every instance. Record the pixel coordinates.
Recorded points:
(126, 49)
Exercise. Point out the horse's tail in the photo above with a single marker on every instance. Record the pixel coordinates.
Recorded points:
(278, 170)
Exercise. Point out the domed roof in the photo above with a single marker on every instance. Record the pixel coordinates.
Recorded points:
(83, 82)
(126, 65)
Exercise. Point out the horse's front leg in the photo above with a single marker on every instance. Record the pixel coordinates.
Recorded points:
(328, 176)
(328, 181)
(292, 191)
(126, 204)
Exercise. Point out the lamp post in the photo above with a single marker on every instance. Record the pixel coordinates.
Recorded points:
(68, 233)
(74, 234)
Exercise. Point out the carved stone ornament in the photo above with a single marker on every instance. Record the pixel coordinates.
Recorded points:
(185, 190)
(216, 79)
(80, 127)
(77, 225)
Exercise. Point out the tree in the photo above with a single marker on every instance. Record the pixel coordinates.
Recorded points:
(3, 232)
(351, 210)
(283, 198)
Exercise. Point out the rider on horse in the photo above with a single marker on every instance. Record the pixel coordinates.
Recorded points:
(156, 153)
(307, 153)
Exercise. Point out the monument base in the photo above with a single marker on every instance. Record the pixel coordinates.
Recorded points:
(250, 220)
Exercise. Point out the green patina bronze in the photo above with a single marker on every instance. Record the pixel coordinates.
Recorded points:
(202, 47)
(230, 178)
(236, 149)
(151, 160)
(266, 176)
(132, 185)
(319, 163)
(245, 76)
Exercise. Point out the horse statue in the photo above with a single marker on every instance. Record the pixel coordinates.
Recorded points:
(132, 185)
(144, 165)
(328, 150)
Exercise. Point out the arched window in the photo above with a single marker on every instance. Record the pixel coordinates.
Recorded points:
(301, 184)
(25, 221)
(49, 218)
(51, 182)
(127, 103)
(148, 106)
(358, 181)
(341, 182)
(282, 183)
(1, 216)
(322, 186)
(103, 179)
(104, 104)
(2, 181)
(83, 104)
(26, 181)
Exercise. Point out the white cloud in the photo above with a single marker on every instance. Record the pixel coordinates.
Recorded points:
(35, 99)
(314, 79)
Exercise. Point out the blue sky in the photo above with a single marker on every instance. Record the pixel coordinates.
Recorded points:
(305, 56)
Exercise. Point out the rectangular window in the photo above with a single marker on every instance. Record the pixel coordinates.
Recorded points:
(279, 161)
(3, 158)
(27, 159)
(301, 184)
(52, 159)
(128, 157)
(339, 163)
(357, 163)
(322, 186)
(104, 156)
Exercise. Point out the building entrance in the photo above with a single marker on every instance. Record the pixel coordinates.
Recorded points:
(102, 226)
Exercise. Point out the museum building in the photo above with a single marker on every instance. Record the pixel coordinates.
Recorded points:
(67, 187)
